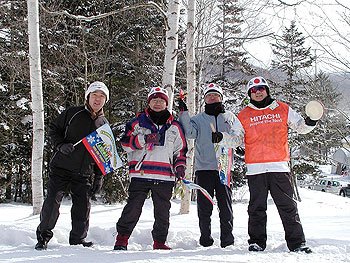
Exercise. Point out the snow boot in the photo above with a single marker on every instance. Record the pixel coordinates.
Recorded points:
(206, 242)
(302, 248)
(223, 245)
(160, 245)
(121, 242)
(255, 247)
(41, 245)
(81, 242)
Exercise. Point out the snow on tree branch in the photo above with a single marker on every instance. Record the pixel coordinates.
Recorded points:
(91, 18)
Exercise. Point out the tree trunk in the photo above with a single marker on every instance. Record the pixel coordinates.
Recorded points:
(171, 48)
(191, 90)
(37, 105)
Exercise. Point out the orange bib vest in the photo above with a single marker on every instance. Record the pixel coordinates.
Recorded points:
(266, 134)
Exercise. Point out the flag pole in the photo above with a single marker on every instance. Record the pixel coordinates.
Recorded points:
(75, 144)
(212, 126)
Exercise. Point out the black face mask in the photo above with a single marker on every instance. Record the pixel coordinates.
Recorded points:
(262, 104)
(214, 108)
(159, 117)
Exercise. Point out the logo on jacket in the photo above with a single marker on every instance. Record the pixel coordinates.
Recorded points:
(265, 118)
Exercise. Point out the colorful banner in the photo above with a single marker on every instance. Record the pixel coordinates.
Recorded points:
(102, 147)
(191, 185)
(224, 156)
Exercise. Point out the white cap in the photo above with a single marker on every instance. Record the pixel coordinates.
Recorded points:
(97, 85)
(256, 81)
(213, 88)
(158, 92)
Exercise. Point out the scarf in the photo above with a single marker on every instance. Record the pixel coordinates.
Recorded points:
(214, 108)
(262, 104)
(160, 117)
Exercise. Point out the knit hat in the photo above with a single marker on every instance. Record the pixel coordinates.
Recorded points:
(97, 85)
(158, 92)
(257, 81)
(213, 88)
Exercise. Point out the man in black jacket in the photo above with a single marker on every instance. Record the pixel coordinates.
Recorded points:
(72, 167)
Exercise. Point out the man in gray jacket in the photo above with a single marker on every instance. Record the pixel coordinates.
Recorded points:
(206, 162)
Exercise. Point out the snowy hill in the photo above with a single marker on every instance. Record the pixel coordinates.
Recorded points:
(342, 83)
(325, 218)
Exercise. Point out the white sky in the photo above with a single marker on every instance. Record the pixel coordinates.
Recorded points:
(312, 18)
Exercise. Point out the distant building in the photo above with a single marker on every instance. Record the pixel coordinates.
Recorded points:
(342, 156)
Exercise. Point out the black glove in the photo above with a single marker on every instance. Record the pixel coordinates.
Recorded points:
(97, 185)
(66, 148)
(182, 105)
(310, 122)
(153, 138)
(180, 172)
(240, 150)
(216, 137)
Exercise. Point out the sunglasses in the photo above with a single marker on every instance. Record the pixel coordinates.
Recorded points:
(258, 88)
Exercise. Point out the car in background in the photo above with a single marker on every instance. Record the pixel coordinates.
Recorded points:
(326, 185)
(345, 191)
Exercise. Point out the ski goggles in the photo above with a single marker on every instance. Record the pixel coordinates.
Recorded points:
(258, 88)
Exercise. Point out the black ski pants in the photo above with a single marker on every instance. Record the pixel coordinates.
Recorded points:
(79, 186)
(138, 190)
(279, 185)
(210, 181)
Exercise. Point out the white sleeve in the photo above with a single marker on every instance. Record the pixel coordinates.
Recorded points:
(235, 137)
(190, 126)
(297, 123)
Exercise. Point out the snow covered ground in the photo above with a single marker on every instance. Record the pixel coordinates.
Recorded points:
(325, 218)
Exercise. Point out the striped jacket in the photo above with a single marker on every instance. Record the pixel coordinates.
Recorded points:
(154, 162)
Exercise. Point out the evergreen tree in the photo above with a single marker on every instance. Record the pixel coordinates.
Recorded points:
(228, 57)
(293, 59)
(331, 129)
(231, 67)
(124, 51)
(15, 125)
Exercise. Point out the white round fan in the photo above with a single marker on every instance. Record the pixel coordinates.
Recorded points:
(314, 109)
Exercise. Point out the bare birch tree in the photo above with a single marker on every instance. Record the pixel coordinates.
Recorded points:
(191, 99)
(37, 104)
(171, 49)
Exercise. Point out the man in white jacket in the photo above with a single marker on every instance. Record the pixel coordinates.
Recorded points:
(263, 125)
(156, 148)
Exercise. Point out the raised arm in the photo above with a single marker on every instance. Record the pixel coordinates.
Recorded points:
(189, 125)
(299, 124)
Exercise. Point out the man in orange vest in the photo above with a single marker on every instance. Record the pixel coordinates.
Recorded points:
(263, 125)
